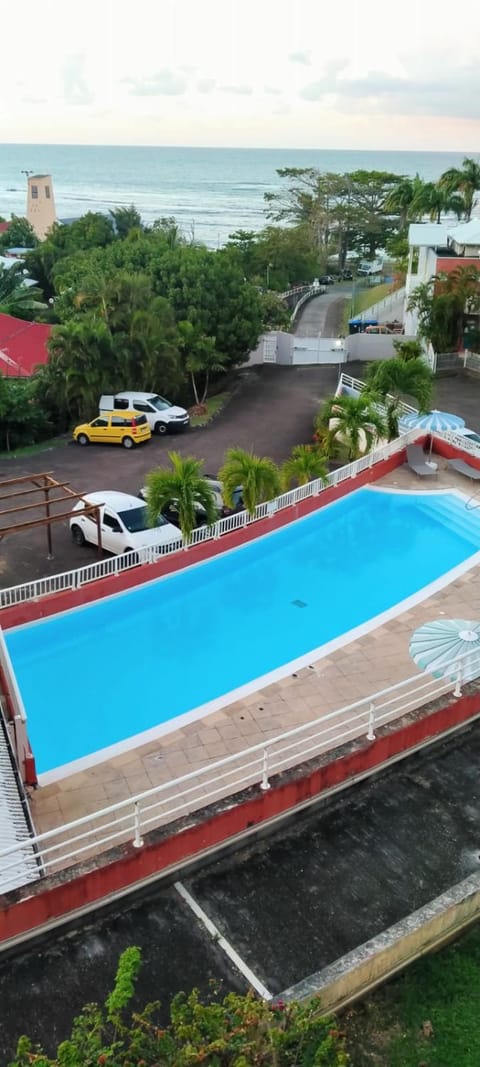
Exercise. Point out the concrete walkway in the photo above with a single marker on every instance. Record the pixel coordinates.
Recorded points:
(360, 668)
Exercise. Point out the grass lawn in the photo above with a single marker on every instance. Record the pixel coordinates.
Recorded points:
(31, 450)
(364, 298)
(442, 991)
(214, 404)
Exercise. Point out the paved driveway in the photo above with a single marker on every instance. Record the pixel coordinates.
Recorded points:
(272, 410)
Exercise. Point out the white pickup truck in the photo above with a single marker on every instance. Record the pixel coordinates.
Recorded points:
(161, 414)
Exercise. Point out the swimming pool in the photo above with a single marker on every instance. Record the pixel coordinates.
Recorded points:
(125, 666)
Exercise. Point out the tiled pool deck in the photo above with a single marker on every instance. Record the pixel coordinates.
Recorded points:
(364, 666)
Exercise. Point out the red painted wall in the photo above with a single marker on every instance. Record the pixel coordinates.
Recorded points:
(447, 264)
(30, 610)
(46, 902)
(448, 451)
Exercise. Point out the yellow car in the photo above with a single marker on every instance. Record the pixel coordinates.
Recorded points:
(127, 428)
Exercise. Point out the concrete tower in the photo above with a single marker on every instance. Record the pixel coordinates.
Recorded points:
(40, 204)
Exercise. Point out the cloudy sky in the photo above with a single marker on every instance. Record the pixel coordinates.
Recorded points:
(260, 73)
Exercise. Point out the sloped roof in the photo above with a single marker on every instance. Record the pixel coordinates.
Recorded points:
(23, 345)
(466, 234)
(428, 234)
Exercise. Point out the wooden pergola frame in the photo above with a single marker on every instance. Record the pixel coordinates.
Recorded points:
(45, 484)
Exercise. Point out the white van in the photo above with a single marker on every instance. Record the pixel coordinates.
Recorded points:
(161, 414)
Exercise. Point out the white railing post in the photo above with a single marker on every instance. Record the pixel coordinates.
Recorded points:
(371, 723)
(265, 784)
(457, 692)
(138, 839)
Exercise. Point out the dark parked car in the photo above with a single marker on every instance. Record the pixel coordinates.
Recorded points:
(326, 279)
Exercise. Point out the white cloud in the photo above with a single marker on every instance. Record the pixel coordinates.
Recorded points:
(237, 90)
(217, 67)
(164, 83)
(301, 57)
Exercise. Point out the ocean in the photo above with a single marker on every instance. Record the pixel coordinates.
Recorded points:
(211, 192)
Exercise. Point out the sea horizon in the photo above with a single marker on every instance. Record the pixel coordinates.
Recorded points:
(210, 191)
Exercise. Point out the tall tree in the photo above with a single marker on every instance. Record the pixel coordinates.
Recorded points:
(442, 304)
(258, 476)
(392, 380)
(82, 365)
(185, 485)
(403, 197)
(465, 180)
(201, 359)
(436, 200)
(353, 422)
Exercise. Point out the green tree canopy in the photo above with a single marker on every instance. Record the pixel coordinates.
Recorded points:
(20, 234)
(464, 180)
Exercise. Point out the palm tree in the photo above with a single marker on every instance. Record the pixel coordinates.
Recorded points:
(465, 180)
(402, 378)
(185, 485)
(358, 424)
(258, 476)
(403, 199)
(304, 465)
(81, 362)
(16, 298)
(435, 200)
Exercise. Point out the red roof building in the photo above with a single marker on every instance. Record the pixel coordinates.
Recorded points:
(4, 227)
(23, 346)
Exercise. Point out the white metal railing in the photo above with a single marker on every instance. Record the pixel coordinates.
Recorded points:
(359, 386)
(75, 579)
(129, 819)
(464, 443)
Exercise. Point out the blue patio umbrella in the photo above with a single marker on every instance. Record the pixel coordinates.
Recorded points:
(448, 648)
(433, 420)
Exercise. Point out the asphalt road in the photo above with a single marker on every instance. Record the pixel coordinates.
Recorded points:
(287, 904)
(272, 410)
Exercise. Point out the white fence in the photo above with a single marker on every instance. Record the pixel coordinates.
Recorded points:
(373, 312)
(71, 580)
(129, 819)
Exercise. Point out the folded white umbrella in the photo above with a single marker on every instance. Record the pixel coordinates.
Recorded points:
(448, 648)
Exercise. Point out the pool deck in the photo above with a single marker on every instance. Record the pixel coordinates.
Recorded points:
(366, 665)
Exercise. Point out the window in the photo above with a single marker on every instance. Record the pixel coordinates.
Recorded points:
(141, 406)
(118, 420)
(34, 192)
(140, 420)
(160, 403)
(111, 522)
(99, 422)
(47, 192)
(120, 403)
(135, 519)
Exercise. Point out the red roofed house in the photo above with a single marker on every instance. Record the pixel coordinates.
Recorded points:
(23, 345)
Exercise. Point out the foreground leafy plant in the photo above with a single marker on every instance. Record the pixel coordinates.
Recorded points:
(238, 1031)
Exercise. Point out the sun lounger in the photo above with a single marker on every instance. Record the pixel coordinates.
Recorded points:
(461, 467)
(417, 462)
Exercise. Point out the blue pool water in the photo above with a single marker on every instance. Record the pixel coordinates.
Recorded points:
(100, 674)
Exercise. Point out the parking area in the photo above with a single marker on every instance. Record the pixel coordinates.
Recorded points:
(272, 410)
(280, 908)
